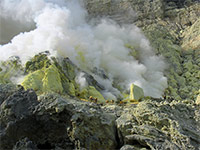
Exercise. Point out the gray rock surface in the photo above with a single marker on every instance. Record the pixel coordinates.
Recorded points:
(16, 117)
(25, 144)
(52, 122)
(127, 147)
(172, 28)
(85, 123)
(160, 125)
(6, 90)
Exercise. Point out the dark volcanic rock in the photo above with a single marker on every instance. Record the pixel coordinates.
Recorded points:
(25, 144)
(85, 124)
(6, 90)
(16, 117)
(54, 123)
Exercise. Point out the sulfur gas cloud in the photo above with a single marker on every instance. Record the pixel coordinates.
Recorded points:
(61, 27)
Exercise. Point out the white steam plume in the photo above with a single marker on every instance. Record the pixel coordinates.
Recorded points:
(61, 27)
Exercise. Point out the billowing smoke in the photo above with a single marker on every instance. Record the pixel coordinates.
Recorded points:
(61, 27)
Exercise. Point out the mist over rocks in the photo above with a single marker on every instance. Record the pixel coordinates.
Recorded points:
(106, 45)
(74, 61)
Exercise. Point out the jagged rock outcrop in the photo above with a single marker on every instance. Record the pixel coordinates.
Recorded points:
(44, 74)
(160, 125)
(16, 116)
(50, 121)
(6, 90)
(53, 122)
(191, 37)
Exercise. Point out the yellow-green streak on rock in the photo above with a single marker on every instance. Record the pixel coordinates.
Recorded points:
(44, 80)
(136, 92)
(52, 80)
(34, 80)
(133, 51)
(86, 92)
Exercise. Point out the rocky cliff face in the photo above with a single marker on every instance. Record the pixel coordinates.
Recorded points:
(173, 30)
(50, 110)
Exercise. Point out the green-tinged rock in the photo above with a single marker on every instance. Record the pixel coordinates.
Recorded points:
(188, 65)
(191, 37)
(93, 92)
(86, 92)
(136, 92)
(59, 77)
(71, 89)
(34, 81)
(44, 80)
(133, 52)
(50, 75)
(67, 71)
(68, 68)
(52, 80)
(183, 65)
(10, 69)
(83, 94)
(38, 62)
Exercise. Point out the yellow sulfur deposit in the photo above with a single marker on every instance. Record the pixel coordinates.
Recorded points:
(136, 92)
(91, 91)
(46, 79)
(52, 80)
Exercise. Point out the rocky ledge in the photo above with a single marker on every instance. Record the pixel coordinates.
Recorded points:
(51, 121)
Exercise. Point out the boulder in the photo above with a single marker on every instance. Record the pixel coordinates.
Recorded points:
(136, 92)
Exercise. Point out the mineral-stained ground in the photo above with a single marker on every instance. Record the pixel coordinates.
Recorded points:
(49, 111)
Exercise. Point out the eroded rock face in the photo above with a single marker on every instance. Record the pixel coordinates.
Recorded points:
(172, 28)
(6, 90)
(52, 122)
(87, 125)
(191, 37)
(160, 125)
(174, 37)
(16, 116)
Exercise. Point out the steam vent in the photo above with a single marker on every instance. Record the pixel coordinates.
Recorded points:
(99, 74)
